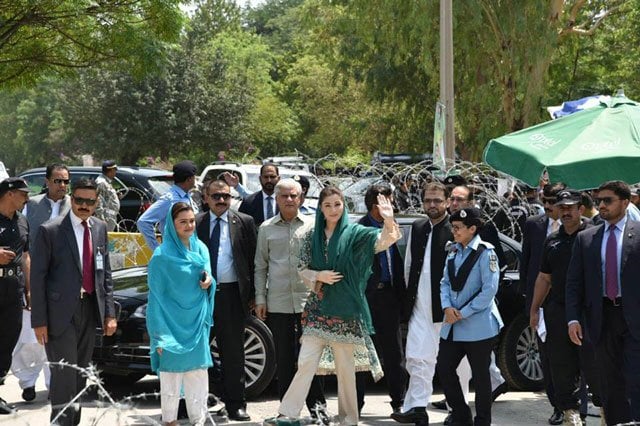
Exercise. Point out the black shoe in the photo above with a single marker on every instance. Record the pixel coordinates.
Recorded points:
(440, 405)
(320, 415)
(239, 415)
(6, 408)
(414, 415)
(503, 388)
(557, 417)
(29, 394)
(447, 420)
(396, 409)
(182, 410)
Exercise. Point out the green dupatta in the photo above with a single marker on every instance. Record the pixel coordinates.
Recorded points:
(349, 251)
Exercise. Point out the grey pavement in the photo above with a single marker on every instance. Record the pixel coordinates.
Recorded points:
(143, 407)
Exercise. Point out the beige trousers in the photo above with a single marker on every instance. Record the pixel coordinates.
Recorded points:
(310, 353)
(196, 391)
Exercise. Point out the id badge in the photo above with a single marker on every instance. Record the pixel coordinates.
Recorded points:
(99, 262)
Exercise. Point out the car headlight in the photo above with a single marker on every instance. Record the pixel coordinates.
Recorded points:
(140, 312)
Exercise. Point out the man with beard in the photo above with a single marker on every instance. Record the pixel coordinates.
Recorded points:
(423, 267)
(535, 231)
(15, 265)
(261, 205)
(603, 297)
(231, 238)
(566, 359)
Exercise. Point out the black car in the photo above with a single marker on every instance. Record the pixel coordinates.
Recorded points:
(125, 356)
(138, 187)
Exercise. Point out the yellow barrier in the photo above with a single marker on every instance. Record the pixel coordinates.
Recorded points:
(127, 249)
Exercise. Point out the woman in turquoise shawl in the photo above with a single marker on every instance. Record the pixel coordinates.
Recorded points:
(180, 316)
(335, 265)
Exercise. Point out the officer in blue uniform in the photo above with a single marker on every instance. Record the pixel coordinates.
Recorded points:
(471, 317)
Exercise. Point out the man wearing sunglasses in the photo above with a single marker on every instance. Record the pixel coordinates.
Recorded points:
(602, 300)
(231, 238)
(71, 292)
(29, 358)
(535, 232)
(50, 204)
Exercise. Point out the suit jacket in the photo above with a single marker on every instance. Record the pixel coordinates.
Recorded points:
(533, 236)
(39, 211)
(396, 263)
(254, 207)
(56, 274)
(242, 233)
(585, 288)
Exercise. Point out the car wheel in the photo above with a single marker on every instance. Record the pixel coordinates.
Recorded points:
(519, 358)
(259, 356)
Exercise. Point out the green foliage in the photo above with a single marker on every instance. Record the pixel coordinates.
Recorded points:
(50, 37)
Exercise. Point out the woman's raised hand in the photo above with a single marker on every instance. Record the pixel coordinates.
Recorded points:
(385, 207)
(329, 277)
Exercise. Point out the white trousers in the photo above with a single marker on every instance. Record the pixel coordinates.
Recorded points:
(308, 359)
(422, 370)
(29, 356)
(196, 392)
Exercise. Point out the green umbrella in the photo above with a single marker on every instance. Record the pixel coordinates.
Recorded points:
(583, 149)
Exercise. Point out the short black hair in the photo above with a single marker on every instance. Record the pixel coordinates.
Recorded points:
(371, 196)
(435, 186)
(84, 183)
(50, 168)
(270, 165)
(551, 189)
(618, 187)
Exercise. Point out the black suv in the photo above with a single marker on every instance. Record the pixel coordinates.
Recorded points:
(138, 187)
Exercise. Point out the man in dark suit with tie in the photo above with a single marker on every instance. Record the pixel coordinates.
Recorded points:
(603, 295)
(71, 294)
(534, 234)
(231, 238)
(385, 295)
(261, 205)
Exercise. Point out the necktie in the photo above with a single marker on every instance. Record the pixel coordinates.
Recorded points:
(87, 260)
(611, 265)
(269, 208)
(214, 244)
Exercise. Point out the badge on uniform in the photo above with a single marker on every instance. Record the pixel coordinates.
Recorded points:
(493, 263)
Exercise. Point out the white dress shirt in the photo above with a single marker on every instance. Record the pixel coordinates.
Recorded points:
(78, 230)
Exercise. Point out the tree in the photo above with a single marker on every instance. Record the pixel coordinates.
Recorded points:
(61, 36)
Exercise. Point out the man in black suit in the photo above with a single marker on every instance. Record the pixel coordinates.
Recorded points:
(71, 294)
(603, 295)
(534, 234)
(231, 238)
(261, 205)
(385, 294)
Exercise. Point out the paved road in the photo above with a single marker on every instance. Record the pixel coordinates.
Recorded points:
(514, 408)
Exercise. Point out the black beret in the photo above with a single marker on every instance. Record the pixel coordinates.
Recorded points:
(568, 197)
(183, 170)
(302, 180)
(455, 180)
(12, 183)
(469, 216)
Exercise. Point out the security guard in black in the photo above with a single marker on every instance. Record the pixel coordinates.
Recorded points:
(14, 248)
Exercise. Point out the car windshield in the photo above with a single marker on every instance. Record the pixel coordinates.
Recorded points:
(160, 184)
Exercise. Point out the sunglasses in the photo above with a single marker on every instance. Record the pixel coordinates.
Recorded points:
(606, 200)
(220, 196)
(59, 181)
(85, 201)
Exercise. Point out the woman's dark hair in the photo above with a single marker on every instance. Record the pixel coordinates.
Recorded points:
(329, 191)
(178, 208)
